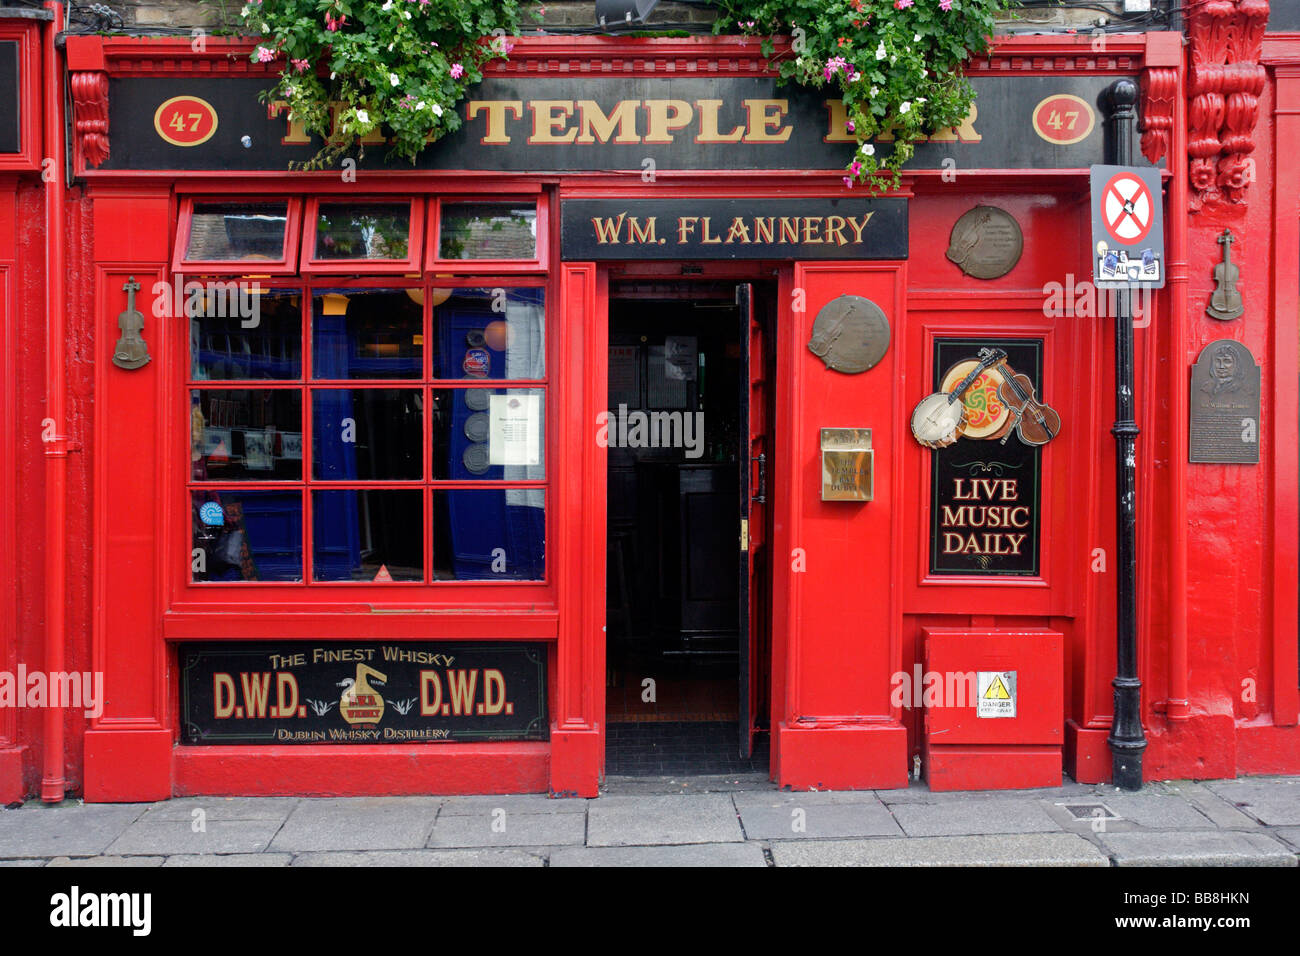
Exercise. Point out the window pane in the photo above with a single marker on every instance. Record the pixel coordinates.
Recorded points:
(244, 335)
(222, 232)
(367, 434)
(246, 536)
(373, 334)
(246, 434)
(488, 230)
(489, 333)
(489, 433)
(363, 230)
(489, 535)
(368, 535)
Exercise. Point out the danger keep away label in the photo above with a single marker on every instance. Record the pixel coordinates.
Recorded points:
(997, 694)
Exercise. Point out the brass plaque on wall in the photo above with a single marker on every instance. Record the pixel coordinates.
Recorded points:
(1225, 405)
(986, 242)
(850, 334)
(848, 465)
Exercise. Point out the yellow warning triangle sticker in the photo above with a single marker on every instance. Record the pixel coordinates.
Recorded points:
(997, 690)
(382, 574)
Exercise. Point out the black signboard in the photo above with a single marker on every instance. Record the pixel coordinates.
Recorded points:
(1284, 16)
(10, 120)
(985, 488)
(369, 692)
(734, 229)
(567, 123)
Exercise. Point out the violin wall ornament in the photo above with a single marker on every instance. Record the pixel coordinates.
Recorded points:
(850, 334)
(1225, 301)
(131, 350)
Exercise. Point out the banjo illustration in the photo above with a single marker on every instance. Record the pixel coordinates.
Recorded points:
(939, 419)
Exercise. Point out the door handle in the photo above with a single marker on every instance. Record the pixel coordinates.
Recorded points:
(761, 497)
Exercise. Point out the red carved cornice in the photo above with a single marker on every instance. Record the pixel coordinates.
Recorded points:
(90, 114)
(1159, 90)
(1224, 82)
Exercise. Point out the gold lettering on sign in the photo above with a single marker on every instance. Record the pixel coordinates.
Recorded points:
(764, 121)
(708, 110)
(664, 116)
(594, 126)
(994, 509)
(496, 118)
(624, 229)
(546, 122)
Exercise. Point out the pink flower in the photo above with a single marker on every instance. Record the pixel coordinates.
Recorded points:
(834, 65)
(850, 126)
(300, 65)
(457, 71)
(333, 23)
(902, 4)
(265, 55)
(848, 181)
(945, 5)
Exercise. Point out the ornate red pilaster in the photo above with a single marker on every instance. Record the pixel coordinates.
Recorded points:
(1224, 86)
(90, 114)
(1159, 87)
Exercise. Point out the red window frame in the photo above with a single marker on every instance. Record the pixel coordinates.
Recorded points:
(287, 264)
(366, 267)
(538, 263)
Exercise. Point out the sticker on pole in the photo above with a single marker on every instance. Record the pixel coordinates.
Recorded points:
(1128, 235)
(997, 694)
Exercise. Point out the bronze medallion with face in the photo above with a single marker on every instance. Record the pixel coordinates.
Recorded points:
(850, 334)
(986, 242)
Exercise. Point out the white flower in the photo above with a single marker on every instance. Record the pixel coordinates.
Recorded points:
(868, 149)
(391, 45)
(437, 109)
(332, 75)
(387, 6)
(394, 79)
(265, 29)
(881, 52)
(363, 117)
(419, 105)
(917, 38)
(406, 14)
(904, 107)
(874, 91)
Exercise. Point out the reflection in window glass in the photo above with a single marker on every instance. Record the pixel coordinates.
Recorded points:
(489, 433)
(246, 335)
(363, 230)
(490, 535)
(368, 334)
(221, 232)
(246, 434)
(368, 434)
(246, 536)
(489, 333)
(368, 535)
(488, 230)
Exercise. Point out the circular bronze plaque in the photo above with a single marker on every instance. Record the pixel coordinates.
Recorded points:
(986, 242)
(850, 334)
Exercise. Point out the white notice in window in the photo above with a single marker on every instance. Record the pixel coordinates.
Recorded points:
(514, 435)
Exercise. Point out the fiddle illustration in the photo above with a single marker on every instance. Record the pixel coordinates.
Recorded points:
(1225, 301)
(1036, 423)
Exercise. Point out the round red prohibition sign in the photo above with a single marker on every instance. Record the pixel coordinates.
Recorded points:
(1127, 209)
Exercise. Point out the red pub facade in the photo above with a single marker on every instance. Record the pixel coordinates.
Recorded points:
(409, 471)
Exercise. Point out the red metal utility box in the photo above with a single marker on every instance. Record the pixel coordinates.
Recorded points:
(994, 708)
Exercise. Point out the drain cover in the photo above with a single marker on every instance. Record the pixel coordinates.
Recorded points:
(1090, 811)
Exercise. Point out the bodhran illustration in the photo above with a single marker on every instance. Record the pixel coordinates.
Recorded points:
(850, 334)
(986, 242)
(987, 416)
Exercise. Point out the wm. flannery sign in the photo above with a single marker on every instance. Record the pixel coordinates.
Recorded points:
(566, 123)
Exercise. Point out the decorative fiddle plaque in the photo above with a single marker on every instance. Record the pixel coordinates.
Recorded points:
(1225, 405)
(130, 352)
(850, 334)
(986, 242)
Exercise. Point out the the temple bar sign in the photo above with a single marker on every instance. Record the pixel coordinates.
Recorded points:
(733, 229)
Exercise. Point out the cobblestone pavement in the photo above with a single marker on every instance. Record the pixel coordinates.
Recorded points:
(736, 820)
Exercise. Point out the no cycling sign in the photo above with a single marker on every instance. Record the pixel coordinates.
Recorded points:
(1128, 233)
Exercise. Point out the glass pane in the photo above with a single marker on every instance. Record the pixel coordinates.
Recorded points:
(246, 536)
(374, 334)
(489, 535)
(363, 230)
(231, 340)
(246, 434)
(221, 232)
(489, 333)
(489, 433)
(367, 434)
(488, 230)
(368, 535)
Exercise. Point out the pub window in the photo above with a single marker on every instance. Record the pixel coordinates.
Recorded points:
(363, 236)
(220, 236)
(369, 432)
(501, 235)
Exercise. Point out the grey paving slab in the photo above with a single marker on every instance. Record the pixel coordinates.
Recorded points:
(804, 798)
(532, 803)
(678, 783)
(64, 831)
(170, 837)
(972, 817)
(1017, 849)
(1289, 835)
(693, 854)
(32, 862)
(920, 792)
(1273, 802)
(512, 858)
(662, 819)
(222, 808)
(1139, 810)
(797, 819)
(509, 829)
(1220, 812)
(374, 823)
(230, 859)
(1196, 848)
(106, 861)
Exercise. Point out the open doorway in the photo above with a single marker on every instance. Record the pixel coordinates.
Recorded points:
(686, 598)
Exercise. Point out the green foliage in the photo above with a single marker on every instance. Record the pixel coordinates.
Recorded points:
(897, 64)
